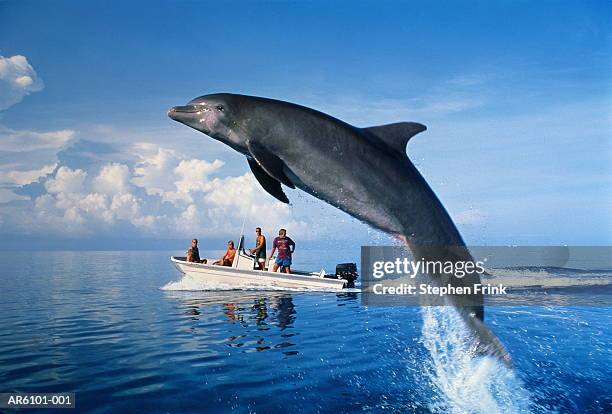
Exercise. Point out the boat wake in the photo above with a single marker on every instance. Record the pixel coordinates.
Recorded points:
(464, 382)
(187, 283)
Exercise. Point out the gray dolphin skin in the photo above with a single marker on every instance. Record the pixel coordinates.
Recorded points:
(362, 171)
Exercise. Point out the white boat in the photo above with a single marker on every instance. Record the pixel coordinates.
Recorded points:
(243, 273)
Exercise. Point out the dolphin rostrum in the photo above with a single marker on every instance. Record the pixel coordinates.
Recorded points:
(362, 171)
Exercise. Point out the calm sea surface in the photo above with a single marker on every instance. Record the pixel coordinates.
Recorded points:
(99, 324)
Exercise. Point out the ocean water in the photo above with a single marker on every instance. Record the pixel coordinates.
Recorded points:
(126, 333)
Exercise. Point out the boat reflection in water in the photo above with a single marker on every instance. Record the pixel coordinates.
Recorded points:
(265, 313)
(254, 321)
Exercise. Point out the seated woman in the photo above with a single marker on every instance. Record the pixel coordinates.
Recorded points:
(228, 257)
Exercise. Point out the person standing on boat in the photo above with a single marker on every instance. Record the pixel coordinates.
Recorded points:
(285, 247)
(193, 254)
(260, 248)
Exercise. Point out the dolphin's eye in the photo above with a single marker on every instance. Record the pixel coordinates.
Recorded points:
(219, 107)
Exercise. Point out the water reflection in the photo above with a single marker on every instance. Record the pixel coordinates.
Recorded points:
(259, 321)
(285, 315)
(277, 310)
(347, 298)
(251, 321)
(265, 313)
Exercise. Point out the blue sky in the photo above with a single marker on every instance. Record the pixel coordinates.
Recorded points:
(517, 97)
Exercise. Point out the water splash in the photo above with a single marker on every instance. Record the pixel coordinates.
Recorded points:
(465, 383)
(188, 283)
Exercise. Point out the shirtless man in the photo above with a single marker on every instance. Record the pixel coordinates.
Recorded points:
(193, 254)
(259, 251)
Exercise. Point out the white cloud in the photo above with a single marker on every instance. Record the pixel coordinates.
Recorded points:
(155, 170)
(73, 218)
(95, 205)
(151, 224)
(194, 174)
(113, 178)
(165, 173)
(234, 199)
(163, 195)
(17, 79)
(125, 207)
(190, 220)
(67, 181)
(25, 177)
(24, 140)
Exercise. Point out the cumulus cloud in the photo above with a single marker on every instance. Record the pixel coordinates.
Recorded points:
(233, 199)
(112, 179)
(126, 207)
(67, 181)
(193, 174)
(164, 172)
(17, 79)
(156, 165)
(163, 194)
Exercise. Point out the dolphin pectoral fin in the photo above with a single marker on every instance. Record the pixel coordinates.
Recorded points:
(270, 184)
(397, 135)
(270, 163)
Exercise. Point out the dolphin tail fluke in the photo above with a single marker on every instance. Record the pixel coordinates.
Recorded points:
(487, 342)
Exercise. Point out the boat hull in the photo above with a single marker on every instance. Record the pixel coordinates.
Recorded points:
(243, 278)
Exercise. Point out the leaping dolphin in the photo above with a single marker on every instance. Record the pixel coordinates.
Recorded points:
(362, 171)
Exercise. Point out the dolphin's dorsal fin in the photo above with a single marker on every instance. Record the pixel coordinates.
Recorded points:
(396, 135)
(269, 184)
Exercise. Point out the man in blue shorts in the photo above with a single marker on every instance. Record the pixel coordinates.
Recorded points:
(285, 247)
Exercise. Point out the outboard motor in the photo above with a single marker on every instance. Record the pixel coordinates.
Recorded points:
(348, 272)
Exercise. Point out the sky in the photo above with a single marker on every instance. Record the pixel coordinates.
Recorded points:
(516, 95)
